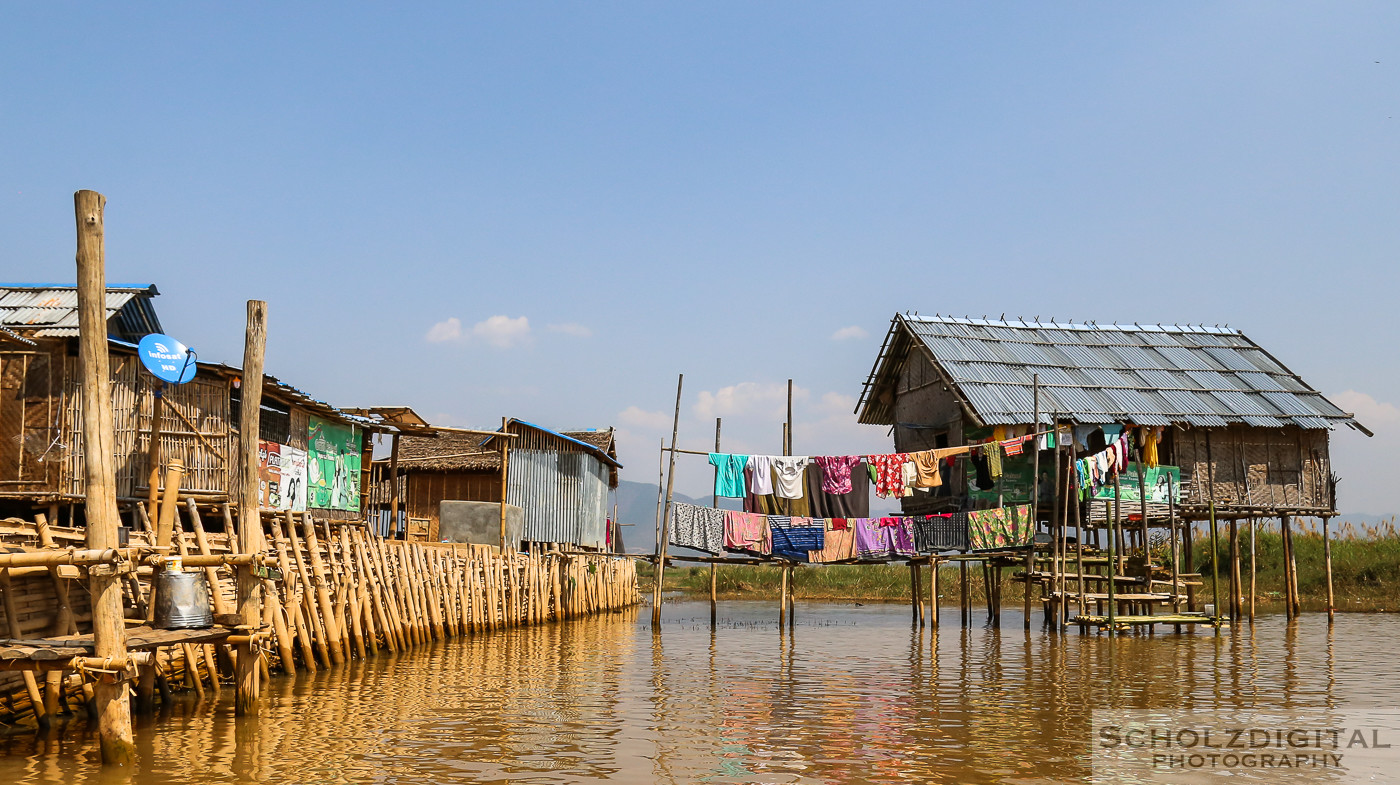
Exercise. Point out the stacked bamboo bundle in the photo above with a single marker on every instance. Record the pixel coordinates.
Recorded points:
(343, 593)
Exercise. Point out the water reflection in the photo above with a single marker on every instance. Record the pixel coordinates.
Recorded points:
(850, 694)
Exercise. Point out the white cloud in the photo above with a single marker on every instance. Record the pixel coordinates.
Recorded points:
(501, 332)
(448, 330)
(849, 333)
(571, 328)
(1370, 412)
(747, 398)
(637, 417)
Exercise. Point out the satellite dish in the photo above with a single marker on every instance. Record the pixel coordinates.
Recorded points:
(166, 358)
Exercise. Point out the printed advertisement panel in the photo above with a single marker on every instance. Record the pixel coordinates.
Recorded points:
(333, 465)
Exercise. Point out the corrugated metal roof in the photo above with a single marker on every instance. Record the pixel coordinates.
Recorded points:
(51, 310)
(1148, 375)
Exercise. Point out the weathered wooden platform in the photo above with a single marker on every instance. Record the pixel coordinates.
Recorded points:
(142, 638)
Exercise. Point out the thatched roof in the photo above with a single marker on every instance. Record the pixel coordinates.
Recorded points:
(461, 452)
(448, 452)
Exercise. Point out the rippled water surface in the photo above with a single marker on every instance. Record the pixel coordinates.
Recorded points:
(853, 694)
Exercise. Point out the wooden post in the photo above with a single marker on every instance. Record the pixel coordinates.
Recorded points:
(933, 592)
(661, 549)
(1327, 560)
(1214, 565)
(1236, 585)
(1253, 562)
(964, 599)
(714, 604)
(323, 593)
(394, 485)
(916, 593)
(249, 508)
(1035, 500)
(505, 478)
(99, 468)
(783, 599)
(165, 526)
(1059, 510)
(1176, 562)
(1290, 566)
(1113, 566)
(153, 450)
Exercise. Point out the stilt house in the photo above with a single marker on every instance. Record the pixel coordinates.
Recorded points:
(1246, 432)
(41, 438)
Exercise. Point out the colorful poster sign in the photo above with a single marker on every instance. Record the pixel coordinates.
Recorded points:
(333, 465)
(1159, 481)
(281, 477)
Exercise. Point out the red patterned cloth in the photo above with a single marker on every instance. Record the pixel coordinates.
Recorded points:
(889, 473)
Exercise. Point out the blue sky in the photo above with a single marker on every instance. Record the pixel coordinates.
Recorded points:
(549, 210)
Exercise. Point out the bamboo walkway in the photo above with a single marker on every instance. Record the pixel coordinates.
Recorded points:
(331, 592)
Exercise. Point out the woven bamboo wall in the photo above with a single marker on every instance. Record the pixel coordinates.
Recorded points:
(1280, 469)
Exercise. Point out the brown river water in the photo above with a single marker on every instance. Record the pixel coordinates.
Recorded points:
(853, 694)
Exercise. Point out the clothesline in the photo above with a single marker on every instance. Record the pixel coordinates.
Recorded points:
(830, 540)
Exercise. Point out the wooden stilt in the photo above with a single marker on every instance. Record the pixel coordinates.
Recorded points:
(1236, 585)
(249, 518)
(661, 546)
(1327, 560)
(1253, 570)
(99, 440)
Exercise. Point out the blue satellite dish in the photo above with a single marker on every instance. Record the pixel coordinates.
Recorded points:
(166, 358)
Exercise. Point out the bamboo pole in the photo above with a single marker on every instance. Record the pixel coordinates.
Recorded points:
(249, 507)
(1253, 564)
(505, 478)
(1035, 502)
(323, 595)
(1113, 566)
(1327, 560)
(63, 616)
(99, 440)
(1175, 552)
(308, 597)
(31, 682)
(153, 450)
(1291, 567)
(394, 485)
(165, 524)
(661, 545)
(714, 604)
(1214, 566)
(1236, 608)
(293, 599)
(392, 636)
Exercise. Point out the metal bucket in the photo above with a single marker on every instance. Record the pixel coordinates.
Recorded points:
(182, 601)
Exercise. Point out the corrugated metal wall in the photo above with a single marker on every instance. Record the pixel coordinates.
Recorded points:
(563, 491)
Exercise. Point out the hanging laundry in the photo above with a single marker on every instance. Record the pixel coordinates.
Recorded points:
(937, 533)
(838, 543)
(983, 481)
(993, 452)
(701, 528)
(788, 471)
(902, 538)
(1111, 433)
(1014, 446)
(909, 474)
(836, 472)
(729, 474)
(1082, 434)
(761, 475)
(793, 538)
(873, 541)
(855, 504)
(926, 469)
(1045, 441)
(889, 474)
(1150, 439)
(1004, 527)
(747, 531)
(998, 433)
